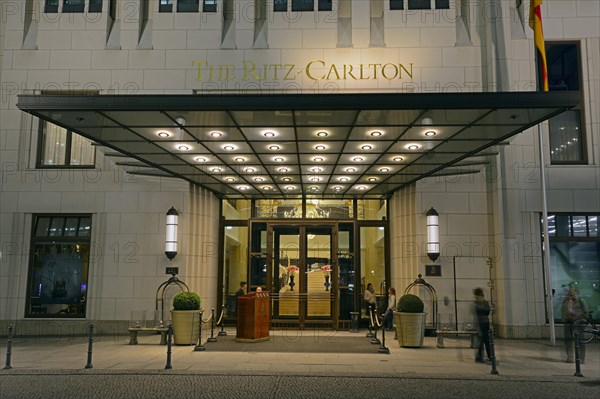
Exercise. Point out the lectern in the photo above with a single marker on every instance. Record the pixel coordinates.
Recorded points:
(253, 313)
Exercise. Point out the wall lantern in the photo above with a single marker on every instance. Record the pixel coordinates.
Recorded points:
(171, 240)
(433, 234)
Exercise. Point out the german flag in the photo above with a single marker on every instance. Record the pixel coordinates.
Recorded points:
(535, 22)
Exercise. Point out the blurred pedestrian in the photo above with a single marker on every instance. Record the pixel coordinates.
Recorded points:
(573, 308)
(482, 312)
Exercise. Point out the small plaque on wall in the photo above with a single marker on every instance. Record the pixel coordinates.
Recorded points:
(172, 270)
(433, 270)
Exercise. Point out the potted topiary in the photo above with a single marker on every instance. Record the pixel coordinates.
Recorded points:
(410, 321)
(185, 318)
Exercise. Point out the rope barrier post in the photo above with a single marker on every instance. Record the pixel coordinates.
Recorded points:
(383, 348)
(200, 347)
(370, 324)
(9, 341)
(169, 342)
(493, 351)
(375, 340)
(212, 327)
(222, 333)
(90, 346)
(577, 360)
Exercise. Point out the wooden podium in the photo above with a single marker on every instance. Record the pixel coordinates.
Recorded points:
(253, 314)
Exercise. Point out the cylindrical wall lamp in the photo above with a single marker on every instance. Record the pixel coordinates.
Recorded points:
(433, 234)
(171, 240)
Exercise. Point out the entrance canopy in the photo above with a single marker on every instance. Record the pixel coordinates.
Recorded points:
(292, 145)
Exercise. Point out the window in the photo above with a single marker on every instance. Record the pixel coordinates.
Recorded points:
(574, 253)
(325, 5)
(51, 6)
(419, 4)
(73, 5)
(303, 5)
(442, 4)
(565, 130)
(280, 5)
(396, 4)
(95, 6)
(188, 5)
(165, 6)
(59, 266)
(59, 147)
(209, 6)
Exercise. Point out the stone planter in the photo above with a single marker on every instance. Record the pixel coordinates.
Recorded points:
(186, 326)
(410, 329)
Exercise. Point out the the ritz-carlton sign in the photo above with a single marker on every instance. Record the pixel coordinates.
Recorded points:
(313, 70)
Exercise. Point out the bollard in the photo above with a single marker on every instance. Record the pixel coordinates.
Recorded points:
(369, 324)
(9, 341)
(383, 348)
(212, 327)
(222, 333)
(493, 352)
(375, 340)
(199, 347)
(577, 360)
(169, 341)
(90, 346)
(355, 321)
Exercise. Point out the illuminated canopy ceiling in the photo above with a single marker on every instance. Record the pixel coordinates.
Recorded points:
(286, 145)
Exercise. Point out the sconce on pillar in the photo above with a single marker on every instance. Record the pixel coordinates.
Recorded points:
(433, 234)
(171, 240)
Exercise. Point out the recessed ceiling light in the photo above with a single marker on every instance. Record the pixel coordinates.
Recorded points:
(372, 179)
(279, 159)
(274, 147)
(229, 147)
(240, 159)
(367, 147)
(163, 133)
(249, 170)
(314, 188)
(384, 170)
(376, 133)
(361, 187)
(230, 179)
(315, 178)
(358, 159)
(269, 133)
(320, 147)
(316, 169)
(286, 179)
(183, 147)
(338, 188)
(216, 169)
(243, 188)
(289, 188)
(350, 170)
(200, 159)
(258, 179)
(216, 133)
(283, 170)
(397, 159)
(343, 179)
(318, 159)
(412, 146)
(322, 133)
(266, 188)
(430, 133)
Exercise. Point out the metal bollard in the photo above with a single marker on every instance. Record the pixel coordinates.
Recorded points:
(222, 333)
(212, 327)
(9, 341)
(169, 341)
(577, 360)
(493, 352)
(370, 315)
(199, 347)
(383, 348)
(375, 340)
(90, 346)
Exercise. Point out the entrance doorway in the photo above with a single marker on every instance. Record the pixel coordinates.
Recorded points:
(304, 274)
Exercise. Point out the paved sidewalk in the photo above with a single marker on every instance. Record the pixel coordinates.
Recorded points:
(518, 358)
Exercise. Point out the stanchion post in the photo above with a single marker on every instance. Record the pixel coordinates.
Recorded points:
(375, 340)
(577, 360)
(212, 326)
(222, 333)
(199, 347)
(383, 348)
(493, 351)
(370, 326)
(9, 341)
(168, 366)
(90, 346)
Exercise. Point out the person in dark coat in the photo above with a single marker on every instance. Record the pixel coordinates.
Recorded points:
(482, 312)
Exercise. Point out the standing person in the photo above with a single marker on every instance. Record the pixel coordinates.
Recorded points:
(388, 316)
(241, 291)
(370, 299)
(573, 308)
(482, 311)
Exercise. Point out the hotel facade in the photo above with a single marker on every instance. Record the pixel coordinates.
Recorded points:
(302, 145)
